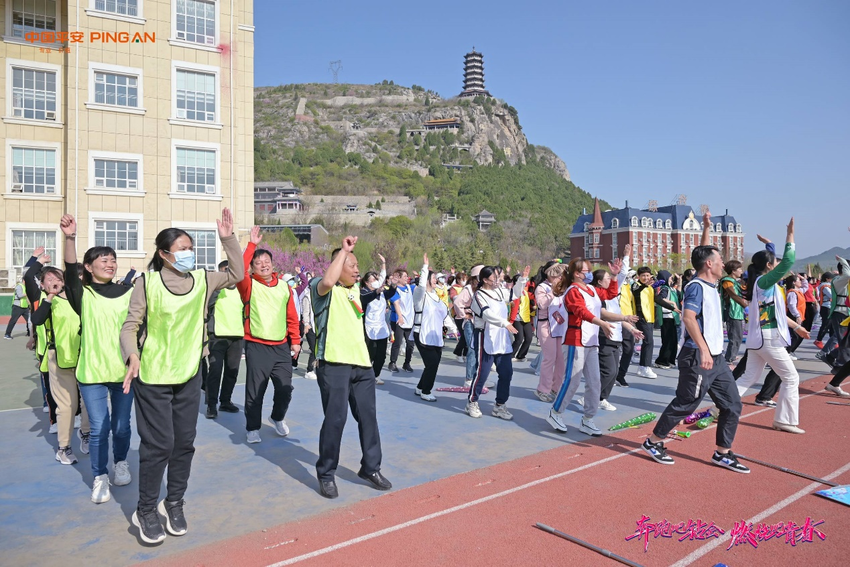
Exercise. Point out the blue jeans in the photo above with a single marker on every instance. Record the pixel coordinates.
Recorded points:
(95, 397)
(472, 354)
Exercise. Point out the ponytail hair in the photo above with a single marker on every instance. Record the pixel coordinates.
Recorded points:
(164, 241)
(759, 266)
(540, 276)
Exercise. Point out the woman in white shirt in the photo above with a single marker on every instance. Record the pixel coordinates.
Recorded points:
(374, 300)
(429, 313)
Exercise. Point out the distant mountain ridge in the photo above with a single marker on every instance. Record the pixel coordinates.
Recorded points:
(826, 260)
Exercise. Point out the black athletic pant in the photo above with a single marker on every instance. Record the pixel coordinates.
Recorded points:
(669, 343)
(809, 317)
(431, 356)
(401, 335)
(522, 340)
(51, 403)
(462, 349)
(17, 313)
(225, 356)
(626, 356)
(377, 353)
(694, 384)
(166, 420)
(771, 382)
(264, 362)
(648, 342)
(609, 363)
(310, 337)
(824, 323)
(343, 386)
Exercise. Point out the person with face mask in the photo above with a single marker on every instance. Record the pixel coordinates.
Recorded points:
(272, 338)
(344, 371)
(430, 312)
(171, 301)
(374, 298)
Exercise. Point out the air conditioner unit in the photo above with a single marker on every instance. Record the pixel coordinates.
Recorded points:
(181, 113)
(210, 116)
(181, 35)
(210, 189)
(132, 184)
(99, 183)
(210, 40)
(181, 187)
(17, 188)
(50, 189)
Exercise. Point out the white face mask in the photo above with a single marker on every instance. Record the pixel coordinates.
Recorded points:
(375, 284)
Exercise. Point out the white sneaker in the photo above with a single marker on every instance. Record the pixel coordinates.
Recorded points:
(500, 411)
(53, 428)
(378, 381)
(793, 357)
(489, 384)
(587, 426)
(417, 392)
(837, 391)
(122, 473)
(280, 426)
(84, 441)
(45, 409)
(548, 398)
(77, 421)
(310, 375)
(607, 406)
(580, 401)
(472, 409)
(460, 359)
(65, 456)
(254, 437)
(646, 372)
(428, 397)
(467, 384)
(100, 489)
(556, 421)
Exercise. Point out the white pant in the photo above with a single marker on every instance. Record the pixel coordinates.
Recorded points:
(773, 352)
(585, 364)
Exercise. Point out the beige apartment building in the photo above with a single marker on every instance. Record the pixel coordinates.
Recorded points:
(132, 115)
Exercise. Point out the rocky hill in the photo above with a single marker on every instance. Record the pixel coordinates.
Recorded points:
(385, 122)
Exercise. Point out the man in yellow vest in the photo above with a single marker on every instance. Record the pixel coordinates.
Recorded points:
(226, 332)
(344, 370)
(20, 308)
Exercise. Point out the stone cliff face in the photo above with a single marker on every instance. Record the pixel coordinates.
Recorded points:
(367, 120)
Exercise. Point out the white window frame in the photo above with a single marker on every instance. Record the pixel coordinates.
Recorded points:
(203, 226)
(9, 38)
(738, 228)
(194, 145)
(91, 185)
(49, 227)
(615, 223)
(659, 224)
(634, 221)
(177, 42)
(95, 67)
(668, 224)
(195, 67)
(9, 118)
(718, 227)
(57, 147)
(137, 19)
(586, 226)
(110, 216)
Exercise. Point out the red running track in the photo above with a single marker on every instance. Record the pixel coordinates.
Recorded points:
(596, 491)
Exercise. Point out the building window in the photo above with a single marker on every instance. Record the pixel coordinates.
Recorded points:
(196, 21)
(196, 171)
(615, 223)
(616, 253)
(668, 224)
(25, 241)
(116, 90)
(34, 94)
(116, 174)
(121, 7)
(596, 238)
(586, 226)
(718, 227)
(659, 224)
(33, 16)
(117, 234)
(196, 96)
(34, 171)
(737, 228)
(205, 246)
(634, 221)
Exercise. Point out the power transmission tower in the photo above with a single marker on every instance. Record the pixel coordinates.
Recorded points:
(335, 68)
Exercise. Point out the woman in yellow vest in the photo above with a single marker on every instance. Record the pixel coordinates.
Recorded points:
(521, 316)
(102, 307)
(171, 301)
(38, 340)
(344, 371)
(58, 325)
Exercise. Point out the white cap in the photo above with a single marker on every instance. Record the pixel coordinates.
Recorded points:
(287, 277)
(473, 273)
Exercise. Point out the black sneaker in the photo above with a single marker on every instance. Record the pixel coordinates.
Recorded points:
(730, 461)
(392, 367)
(623, 383)
(175, 521)
(150, 529)
(765, 403)
(407, 368)
(212, 413)
(228, 407)
(657, 451)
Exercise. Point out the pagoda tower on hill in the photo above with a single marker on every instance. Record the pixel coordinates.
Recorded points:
(473, 75)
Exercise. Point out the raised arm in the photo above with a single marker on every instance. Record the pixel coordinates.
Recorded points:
(772, 278)
(334, 271)
(706, 229)
(235, 263)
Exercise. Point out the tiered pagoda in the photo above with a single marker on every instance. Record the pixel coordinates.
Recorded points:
(473, 75)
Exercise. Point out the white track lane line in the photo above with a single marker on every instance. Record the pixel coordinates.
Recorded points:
(453, 509)
(700, 552)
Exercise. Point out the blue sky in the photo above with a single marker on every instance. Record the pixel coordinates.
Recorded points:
(740, 105)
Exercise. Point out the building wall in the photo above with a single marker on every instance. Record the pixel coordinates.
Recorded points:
(84, 129)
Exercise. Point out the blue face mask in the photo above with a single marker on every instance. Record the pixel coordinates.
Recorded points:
(184, 261)
(588, 277)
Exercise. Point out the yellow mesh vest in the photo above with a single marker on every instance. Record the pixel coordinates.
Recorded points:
(228, 314)
(267, 312)
(65, 325)
(346, 338)
(100, 348)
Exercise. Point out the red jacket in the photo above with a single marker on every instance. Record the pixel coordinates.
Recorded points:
(293, 332)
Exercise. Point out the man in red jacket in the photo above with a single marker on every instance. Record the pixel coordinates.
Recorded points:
(272, 338)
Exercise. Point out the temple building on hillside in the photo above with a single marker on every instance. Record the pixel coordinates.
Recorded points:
(664, 237)
(473, 75)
